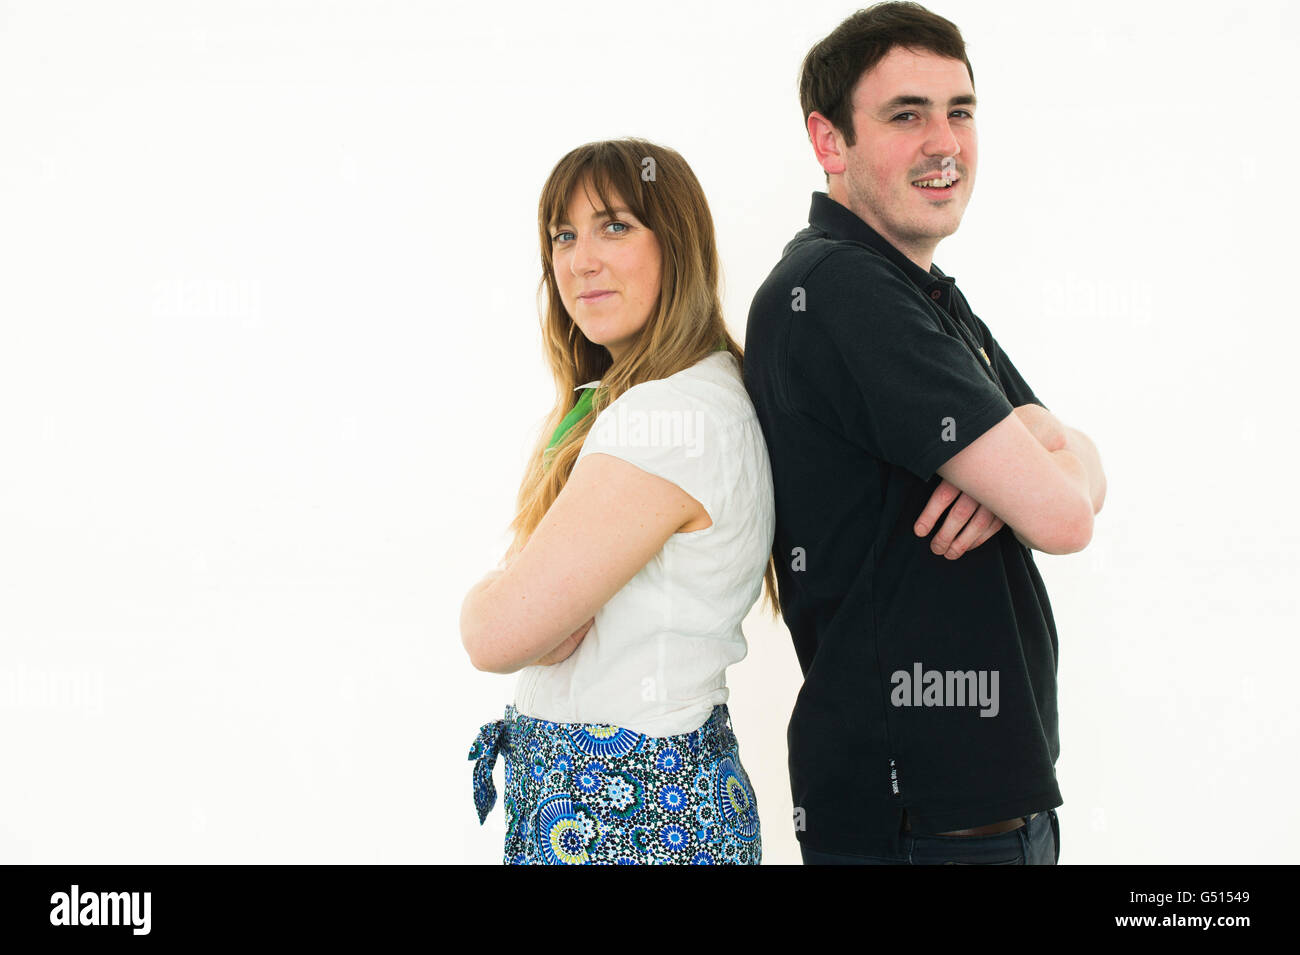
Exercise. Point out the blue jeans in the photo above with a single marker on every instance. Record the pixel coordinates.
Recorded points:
(1037, 842)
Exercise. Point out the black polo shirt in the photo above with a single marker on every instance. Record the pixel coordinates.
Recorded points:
(867, 373)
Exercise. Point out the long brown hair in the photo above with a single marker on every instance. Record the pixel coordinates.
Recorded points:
(685, 325)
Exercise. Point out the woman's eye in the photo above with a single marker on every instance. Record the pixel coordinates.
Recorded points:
(622, 225)
(560, 236)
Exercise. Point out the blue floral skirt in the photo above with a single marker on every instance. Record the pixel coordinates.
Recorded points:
(590, 793)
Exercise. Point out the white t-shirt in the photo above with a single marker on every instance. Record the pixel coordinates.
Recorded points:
(655, 659)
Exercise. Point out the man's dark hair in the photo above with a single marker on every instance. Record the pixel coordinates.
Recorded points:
(833, 67)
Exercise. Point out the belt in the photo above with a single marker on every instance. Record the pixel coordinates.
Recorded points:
(484, 753)
(992, 828)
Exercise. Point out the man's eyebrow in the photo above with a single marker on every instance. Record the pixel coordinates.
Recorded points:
(910, 99)
(599, 214)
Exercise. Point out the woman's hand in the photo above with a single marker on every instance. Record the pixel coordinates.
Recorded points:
(567, 647)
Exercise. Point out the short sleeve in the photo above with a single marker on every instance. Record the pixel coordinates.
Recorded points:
(1018, 390)
(870, 359)
(665, 432)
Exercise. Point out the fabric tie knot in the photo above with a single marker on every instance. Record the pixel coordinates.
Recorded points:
(484, 753)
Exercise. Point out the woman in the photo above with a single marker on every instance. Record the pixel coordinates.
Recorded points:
(643, 537)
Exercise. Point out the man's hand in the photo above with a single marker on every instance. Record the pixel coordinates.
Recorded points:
(563, 651)
(968, 524)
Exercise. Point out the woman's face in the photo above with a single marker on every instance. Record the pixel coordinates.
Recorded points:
(607, 266)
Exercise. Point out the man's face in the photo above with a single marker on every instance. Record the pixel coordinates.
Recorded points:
(900, 139)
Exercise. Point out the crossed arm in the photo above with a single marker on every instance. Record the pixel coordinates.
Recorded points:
(607, 523)
(1047, 494)
(1042, 478)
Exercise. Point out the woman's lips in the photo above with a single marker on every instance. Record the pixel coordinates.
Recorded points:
(595, 297)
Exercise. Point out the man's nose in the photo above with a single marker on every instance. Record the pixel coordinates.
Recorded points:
(942, 140)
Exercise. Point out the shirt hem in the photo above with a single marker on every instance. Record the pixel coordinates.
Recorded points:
(967, 817)
(888, 842)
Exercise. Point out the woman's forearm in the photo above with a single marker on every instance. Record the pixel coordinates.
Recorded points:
(493, 659)
(470, 616)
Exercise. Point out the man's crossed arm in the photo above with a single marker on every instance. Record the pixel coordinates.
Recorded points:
(1030, 471)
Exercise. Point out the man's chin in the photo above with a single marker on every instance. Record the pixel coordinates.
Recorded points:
(939, 223)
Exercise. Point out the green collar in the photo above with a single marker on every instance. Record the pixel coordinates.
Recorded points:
(580, 410)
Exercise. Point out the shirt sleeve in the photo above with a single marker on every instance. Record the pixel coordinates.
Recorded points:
(1018, 389)
(665, 432)
(870, 360)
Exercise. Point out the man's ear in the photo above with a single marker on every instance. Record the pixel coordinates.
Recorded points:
(827, 143)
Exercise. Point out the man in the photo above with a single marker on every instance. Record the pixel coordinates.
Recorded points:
(926, 727)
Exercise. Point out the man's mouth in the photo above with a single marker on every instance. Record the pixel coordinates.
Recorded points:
(938, 184)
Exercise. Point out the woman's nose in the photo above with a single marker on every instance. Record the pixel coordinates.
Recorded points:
(584, 259)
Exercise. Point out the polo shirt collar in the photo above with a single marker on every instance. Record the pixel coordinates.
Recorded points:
(840, 222)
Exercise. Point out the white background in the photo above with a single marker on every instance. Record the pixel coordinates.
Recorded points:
(271, 364)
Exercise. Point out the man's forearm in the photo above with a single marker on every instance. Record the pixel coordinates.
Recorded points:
(1055, 435)
(1082, 447)
(1071, 450)
(1073, 468)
